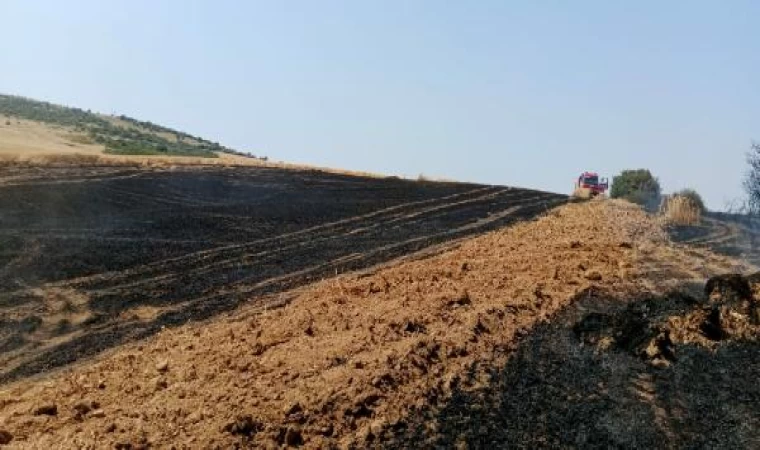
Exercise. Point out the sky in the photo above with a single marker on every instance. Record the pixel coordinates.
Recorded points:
(528, 93)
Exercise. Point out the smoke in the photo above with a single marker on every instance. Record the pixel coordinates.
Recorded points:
(649, 199)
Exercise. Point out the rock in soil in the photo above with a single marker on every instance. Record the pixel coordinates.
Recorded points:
(82, 408)
(593, 275)
(5, 437)
(293, 437)
(243, 425)
(46, 410)
(162, 366)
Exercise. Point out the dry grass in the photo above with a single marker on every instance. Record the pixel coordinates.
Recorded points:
(81, 139)
(85, 159)
(24, 138)
(433, 179)
(681, 210)
(63, 159)
(30, 143)
(581, 193)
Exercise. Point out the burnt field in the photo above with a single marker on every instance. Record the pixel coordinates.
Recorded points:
(735, 235)
(94, 257)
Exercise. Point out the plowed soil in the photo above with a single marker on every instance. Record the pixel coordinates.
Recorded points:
(255, 308)
(473, 347)
(91, 258)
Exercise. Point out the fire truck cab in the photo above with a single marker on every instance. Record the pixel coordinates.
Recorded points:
(589, 184)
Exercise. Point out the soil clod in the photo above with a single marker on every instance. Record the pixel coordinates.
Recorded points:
(243, 425)
(82, 408)
(5, 437)
(48, 409)
(162, 366)
(293, 437)
(728, 287)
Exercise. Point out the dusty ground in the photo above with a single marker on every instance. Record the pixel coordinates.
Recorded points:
(473, 347)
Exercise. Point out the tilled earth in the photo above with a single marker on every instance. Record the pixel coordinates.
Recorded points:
(94, 257)
(517, 338)
(584, 328)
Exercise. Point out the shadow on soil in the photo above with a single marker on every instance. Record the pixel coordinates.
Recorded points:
(559, 391)
(92, 264)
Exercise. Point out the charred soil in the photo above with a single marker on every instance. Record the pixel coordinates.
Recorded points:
(528, 336)
(94, 257)
(474, 346)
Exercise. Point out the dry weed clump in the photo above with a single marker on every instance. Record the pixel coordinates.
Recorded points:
(8, 160)
(681, 210)
(11, 160)
(65, 159)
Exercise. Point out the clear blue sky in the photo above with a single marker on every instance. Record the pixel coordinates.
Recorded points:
(523, 93)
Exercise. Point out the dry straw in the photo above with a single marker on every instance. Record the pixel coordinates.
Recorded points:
(681, 210)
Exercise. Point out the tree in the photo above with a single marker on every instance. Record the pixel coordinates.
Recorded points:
(693, 196)
(752, 179)
(638, 186)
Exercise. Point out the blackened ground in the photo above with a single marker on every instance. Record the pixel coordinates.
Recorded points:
(736, 235)
(559, 392)
(82, 248)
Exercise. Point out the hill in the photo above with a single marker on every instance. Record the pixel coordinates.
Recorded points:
(553, 333)
(31, 125)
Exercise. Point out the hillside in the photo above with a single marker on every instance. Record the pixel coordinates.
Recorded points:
(229, 302)
(30, 125)
(507, 340)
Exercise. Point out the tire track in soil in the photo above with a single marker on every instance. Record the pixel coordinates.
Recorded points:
(365, 228)
(178, 284)
(226, 253)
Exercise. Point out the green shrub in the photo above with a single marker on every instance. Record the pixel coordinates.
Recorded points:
(638, 186)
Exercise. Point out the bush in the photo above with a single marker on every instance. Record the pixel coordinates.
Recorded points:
(81, 139)
(694, 197)
(638, 186)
